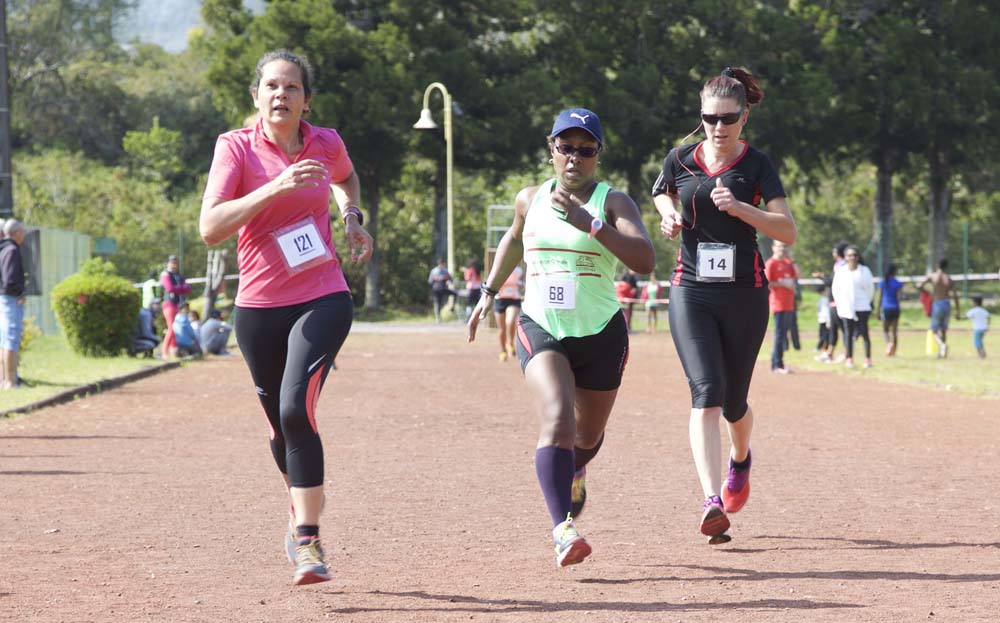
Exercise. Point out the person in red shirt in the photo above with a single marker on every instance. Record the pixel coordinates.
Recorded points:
(507, 308)
(473, 281)
(780, 273)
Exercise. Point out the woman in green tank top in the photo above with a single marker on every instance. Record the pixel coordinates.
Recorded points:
(572, 337)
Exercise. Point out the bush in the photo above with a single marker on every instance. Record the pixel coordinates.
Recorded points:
(98, 310)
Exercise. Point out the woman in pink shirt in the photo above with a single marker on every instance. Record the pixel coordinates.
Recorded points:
(174, 289)
(271, 184)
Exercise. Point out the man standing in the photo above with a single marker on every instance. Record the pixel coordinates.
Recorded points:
(941, 286)
(151, 289)
(438, 280)
(780, 272)
(11, 301)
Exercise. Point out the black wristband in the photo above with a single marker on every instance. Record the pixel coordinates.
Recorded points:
(487, 290)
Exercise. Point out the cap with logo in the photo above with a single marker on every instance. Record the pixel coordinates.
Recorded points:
(578, 118)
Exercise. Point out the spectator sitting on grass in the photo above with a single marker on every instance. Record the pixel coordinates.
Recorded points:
(214, 334)
(187, 339)
(145, 340)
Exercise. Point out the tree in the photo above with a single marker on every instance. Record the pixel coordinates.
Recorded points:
(174, 89)
(69, 191)
(868, 55)
(154, 156)
(960, 42)
(485, 53)
(63, 75)
(360, 85)
(633, 77)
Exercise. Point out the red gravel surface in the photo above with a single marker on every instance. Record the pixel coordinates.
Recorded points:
(159, 501)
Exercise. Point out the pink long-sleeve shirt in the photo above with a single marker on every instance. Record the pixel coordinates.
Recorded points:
(173, 292)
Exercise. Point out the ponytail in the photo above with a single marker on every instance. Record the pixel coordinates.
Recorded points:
(734, 83)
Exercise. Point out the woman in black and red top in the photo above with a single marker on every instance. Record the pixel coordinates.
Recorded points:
(710, 193)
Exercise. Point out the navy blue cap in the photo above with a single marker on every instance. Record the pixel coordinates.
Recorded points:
(578, 118)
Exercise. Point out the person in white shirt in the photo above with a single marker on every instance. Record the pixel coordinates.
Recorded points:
(980, 318)
(823, 318)
(853, 289)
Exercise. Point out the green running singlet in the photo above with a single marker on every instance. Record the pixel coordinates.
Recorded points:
(569, 285)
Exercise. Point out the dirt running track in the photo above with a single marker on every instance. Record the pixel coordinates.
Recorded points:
(158, 501)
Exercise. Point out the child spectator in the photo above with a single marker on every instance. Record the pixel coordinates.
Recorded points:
(888, 294)
(652, 296)
(980, 324)
(187, 339)
(195, 319)
(823, 318)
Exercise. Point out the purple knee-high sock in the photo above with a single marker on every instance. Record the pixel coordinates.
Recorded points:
(554, 467)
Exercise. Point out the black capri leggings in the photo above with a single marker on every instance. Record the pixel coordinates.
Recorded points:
(854, 329)
(289, 351)
(718, 333)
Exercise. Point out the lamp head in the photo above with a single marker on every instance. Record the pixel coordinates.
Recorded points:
(426, 121)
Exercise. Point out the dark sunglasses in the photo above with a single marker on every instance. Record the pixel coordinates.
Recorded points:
(727, 119)
(568, 150)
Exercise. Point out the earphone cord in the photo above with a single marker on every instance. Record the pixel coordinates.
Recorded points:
(694, 196)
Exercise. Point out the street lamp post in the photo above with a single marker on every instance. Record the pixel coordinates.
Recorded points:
(426, 122)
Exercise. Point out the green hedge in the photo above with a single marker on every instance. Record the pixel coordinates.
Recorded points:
(97, 309)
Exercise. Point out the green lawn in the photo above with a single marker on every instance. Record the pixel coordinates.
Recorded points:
(49, 367)
(962, 371)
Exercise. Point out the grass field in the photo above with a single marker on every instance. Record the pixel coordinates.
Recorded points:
(49, 367)
(962, 371)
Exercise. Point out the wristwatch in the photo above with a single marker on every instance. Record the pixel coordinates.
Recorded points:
(595, 226)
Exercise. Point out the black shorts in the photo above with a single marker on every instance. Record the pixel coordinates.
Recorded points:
(500, 305)
(888, 315)
(597, 361)
(718, 333)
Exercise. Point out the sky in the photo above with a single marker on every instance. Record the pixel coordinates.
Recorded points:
(167, 22)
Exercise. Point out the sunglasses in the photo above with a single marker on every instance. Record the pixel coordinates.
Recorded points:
(727, 119)
(568, 150)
